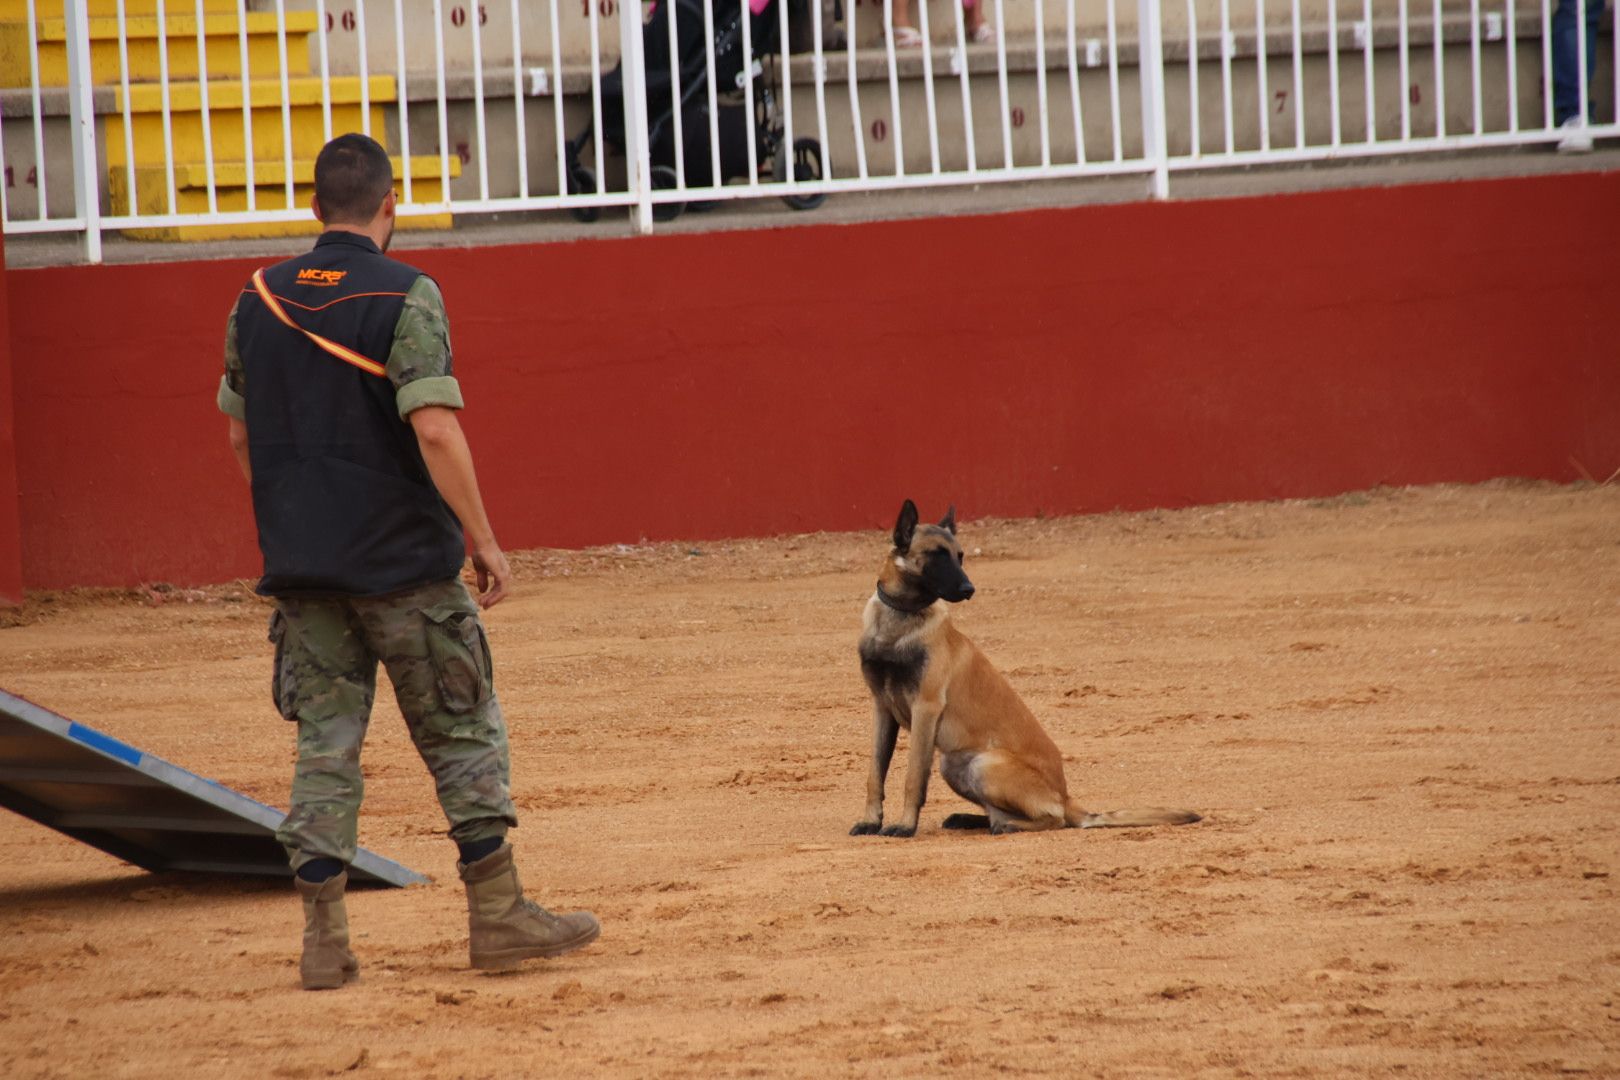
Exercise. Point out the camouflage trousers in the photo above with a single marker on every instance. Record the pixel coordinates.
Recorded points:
(432, 644)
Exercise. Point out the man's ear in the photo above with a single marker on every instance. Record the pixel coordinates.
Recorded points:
(315, 208)
(390, 201)
(948, 522)
(905, 525)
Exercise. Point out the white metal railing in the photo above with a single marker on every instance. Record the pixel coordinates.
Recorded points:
(532, 106)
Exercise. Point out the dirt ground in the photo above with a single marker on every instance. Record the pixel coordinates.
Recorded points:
(1397, 710)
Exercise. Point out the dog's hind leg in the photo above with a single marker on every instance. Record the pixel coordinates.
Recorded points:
(959, 771)
(966, 821)
(1017, 797)
(1002, 822)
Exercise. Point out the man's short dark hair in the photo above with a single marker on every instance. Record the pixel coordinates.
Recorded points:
(352, 177)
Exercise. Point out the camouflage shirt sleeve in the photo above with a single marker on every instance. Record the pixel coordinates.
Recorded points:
(419, 363)
(232, 385)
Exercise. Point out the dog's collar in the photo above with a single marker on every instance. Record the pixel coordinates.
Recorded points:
(895, 604)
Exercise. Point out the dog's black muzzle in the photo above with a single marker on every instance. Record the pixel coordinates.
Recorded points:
(954, 588)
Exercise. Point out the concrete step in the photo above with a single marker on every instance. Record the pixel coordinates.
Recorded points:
(227, 130)
(55, 9)
(270, 192)
(223, 47)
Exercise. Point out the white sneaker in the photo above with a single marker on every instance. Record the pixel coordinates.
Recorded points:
(1576, 140)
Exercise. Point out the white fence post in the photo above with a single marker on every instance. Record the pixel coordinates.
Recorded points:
(1150, 66)
(82, 120)
(632, 66)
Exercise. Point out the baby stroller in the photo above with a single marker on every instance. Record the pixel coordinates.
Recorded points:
(733, 126)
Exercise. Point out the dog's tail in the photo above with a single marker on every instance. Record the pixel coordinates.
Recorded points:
(1078, 818)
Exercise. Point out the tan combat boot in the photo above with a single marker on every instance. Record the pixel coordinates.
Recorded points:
(327, 962)
(506, 929)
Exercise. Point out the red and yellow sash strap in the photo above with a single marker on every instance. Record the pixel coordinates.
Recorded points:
(342, 352)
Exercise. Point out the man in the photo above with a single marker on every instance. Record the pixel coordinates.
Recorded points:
(1567, 70)
(342, 412)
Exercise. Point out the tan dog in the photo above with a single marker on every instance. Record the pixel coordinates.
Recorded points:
(927, 677)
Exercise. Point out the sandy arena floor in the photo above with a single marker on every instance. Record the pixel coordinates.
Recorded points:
(1397, 709)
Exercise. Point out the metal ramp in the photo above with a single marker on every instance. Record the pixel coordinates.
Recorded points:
(144, 810)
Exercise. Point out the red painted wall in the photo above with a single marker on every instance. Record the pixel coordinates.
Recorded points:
(809, 378)
(11, 580)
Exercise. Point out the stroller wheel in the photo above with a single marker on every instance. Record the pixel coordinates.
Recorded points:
(665, 179)
(582, 180)
(806, 166)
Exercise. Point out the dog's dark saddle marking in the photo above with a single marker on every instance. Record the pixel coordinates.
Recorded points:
(893, 672)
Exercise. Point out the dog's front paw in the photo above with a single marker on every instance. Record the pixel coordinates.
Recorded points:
(899, 830)
(865, 828)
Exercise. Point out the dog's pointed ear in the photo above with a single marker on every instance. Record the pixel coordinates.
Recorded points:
(948, 522)
(905, 525)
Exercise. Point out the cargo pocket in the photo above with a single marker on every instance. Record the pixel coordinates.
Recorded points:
(460, 655)
(282, 686)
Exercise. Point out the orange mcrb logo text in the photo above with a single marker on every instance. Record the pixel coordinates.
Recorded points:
(321, 277)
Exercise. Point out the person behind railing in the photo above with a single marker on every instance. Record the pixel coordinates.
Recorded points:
(974, 26)
(342, 410)
(1566, 53)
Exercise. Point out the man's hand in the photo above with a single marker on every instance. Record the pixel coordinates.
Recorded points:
(494, 575)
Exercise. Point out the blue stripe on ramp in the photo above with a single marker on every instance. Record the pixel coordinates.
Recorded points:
(105, 743)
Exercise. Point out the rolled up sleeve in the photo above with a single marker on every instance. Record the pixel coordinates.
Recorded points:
(433, 390)
(419, 363)
(229, 401)
(233, 383)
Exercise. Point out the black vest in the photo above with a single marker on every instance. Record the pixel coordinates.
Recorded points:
(343, 499)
